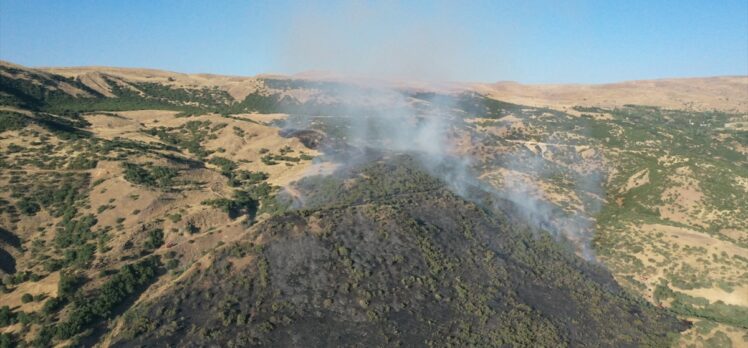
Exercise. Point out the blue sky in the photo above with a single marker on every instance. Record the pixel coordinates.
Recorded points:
(527, 41)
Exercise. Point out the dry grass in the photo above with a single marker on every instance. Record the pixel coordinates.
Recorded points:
(46, 286)
(728, 93)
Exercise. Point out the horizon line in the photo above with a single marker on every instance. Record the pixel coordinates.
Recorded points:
(333, 75)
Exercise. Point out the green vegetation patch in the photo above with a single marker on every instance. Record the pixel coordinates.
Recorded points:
(12, 121)
(151, 176)
(701, 308)
(129, 280)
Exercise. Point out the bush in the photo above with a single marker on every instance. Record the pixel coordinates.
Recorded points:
(155, 239)
(192, 228)
(268, 160)
(6, 316)
(68, 284)
(52, 305)
(81, 255)
(176, 217)
(172, 264)
(28, 207)
(7, 340)
(26, 298)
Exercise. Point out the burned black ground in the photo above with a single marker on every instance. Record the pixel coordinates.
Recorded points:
(397, 260)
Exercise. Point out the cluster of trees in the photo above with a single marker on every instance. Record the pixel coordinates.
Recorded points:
(12, 121)
(205, 98)
(73, 236)
(7, 340)
(237, 177)
(226, 165)
(245, 177)
(701, 308)
(189, 136)
(42, 93)
(33, 91)
(157, 176)
(82, 162)
(58, 193)
(7, 317)
(383, 180)
(129, 280)
(272, 159)
(242, 203)
(252, 195)
(75, 231)
(27, 206)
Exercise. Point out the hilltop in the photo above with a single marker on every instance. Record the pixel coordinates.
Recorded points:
(723, 93)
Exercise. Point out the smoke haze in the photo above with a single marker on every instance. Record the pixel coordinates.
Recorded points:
(394, 121)
(380, 40)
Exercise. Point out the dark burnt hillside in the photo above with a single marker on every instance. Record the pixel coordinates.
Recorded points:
(395, 260)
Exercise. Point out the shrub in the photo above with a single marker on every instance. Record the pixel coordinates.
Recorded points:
(68, 284)
(26, 298)
(28, 206)
(52, 305)
(172, 264)
(154, 239)
(7, 340)
(6, 316)
(176, 217)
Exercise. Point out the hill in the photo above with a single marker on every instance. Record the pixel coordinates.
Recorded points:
(387, 271)
(725, 93)
(132, 195)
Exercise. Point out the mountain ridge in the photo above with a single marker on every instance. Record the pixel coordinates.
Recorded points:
(726, 93)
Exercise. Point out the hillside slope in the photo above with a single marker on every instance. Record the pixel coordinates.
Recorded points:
(414, 266)
(121, 187)
(725, 93)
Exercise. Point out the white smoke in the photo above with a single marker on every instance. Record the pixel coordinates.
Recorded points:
(356, 45)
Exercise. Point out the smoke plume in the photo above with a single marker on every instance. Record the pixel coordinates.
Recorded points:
(384, 116)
